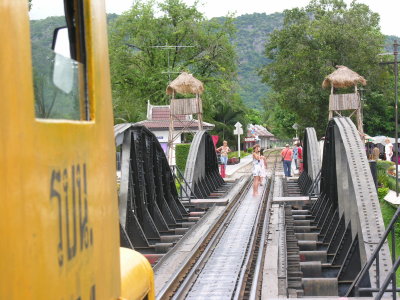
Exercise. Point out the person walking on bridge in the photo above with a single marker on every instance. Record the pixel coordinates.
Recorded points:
(256, 168)
(287, 155)
(300, 156)
(224, 150)
(295, 155)
(263, 163)
(388, 150)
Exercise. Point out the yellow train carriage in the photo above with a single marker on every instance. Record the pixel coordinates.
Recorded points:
(59, 236)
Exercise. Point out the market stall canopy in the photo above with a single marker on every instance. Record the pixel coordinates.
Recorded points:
(368, 138)
(185, 83)
(380, 139)
(343, 77)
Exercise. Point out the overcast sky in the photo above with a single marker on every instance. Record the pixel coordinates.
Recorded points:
(389, 10)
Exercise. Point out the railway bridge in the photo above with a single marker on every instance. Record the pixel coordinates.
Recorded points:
(319, 234)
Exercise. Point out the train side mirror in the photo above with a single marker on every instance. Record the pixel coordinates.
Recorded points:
(63, 69)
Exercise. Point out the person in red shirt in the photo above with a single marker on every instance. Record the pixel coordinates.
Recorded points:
(287, 155)
(300, 156)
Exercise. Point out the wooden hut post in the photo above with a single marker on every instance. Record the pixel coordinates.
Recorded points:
(330, 111)
(199, 112)
(359, 117)
(171, 148)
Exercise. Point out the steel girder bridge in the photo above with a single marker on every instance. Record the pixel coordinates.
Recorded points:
(335, 245)
(153, 215)
(201, 172)
(331, 243)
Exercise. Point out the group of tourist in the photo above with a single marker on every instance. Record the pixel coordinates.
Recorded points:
(388, 151)
(260, 162)
(288, 155)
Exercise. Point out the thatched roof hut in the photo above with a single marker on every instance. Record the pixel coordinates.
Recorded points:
(185, 83)
(343, 77)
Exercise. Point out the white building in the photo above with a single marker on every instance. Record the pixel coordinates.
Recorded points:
(158, 118)
(257, 134)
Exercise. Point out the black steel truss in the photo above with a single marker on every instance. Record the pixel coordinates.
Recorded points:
(309, 178)
(148, 200)
(346, 216)
(202, 173)
(348, 226)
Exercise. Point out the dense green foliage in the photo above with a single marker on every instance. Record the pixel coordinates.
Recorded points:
(50, 101)
(309, 48)
(382, 192)
(139, 67)
(235, 154)
(384, 180)
(387, 214)
(383, 165)
(181, 154)
(387, 209)
(312, 41)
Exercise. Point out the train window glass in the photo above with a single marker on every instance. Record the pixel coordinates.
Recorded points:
(58, 59)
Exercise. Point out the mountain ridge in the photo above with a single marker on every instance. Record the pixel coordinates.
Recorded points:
(251, 36)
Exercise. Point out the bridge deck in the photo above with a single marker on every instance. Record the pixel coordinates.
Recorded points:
(174, 260)
(218, 278)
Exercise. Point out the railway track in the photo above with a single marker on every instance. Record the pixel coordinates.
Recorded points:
(228, 264)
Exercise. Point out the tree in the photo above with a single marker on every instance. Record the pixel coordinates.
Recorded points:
(254, 116)
(139, 67)
(312, 41)
(226, 116)
(277, 119)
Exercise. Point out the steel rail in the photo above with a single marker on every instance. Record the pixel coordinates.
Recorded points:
(250, 257)
(263, 242)
(246, 269)
(192, 274)
(188, 266)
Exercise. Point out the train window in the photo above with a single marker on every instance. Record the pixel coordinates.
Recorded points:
(59, 60)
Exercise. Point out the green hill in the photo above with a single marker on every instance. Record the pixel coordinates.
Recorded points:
(252, 33)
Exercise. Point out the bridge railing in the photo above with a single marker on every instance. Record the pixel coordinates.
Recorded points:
(185, 192)
(313, 190)
(308, 186)
(357, 288)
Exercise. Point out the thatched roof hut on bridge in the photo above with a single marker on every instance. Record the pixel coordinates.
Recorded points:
(184, 84)
(341, 78)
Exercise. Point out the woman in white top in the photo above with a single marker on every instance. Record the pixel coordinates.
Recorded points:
(256, 169)
(263, 163)
(388, 150)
